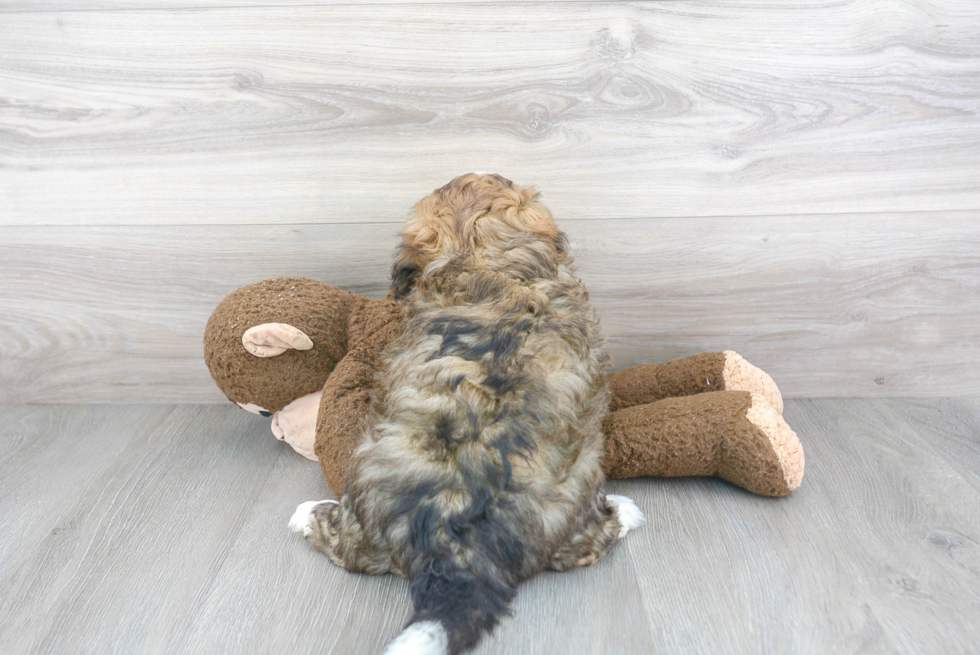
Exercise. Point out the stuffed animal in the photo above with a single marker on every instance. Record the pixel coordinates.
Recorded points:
(306, 354)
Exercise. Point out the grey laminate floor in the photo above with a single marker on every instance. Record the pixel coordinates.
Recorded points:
(162, 529)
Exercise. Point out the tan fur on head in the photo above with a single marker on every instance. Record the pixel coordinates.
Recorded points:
(470, 213)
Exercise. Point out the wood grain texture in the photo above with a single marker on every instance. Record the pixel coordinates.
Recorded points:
(906, 521)
(878, 551)
(830, 306)
(46, 456)
(31, 6)
(954, 428)
(176, 542)
(349, 113)
(134, 550)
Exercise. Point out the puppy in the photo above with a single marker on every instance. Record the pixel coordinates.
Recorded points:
(479, 465)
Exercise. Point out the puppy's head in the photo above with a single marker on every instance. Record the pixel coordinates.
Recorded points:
(473, 212)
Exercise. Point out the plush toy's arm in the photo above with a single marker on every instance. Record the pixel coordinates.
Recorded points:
(344, 403)
(723, 371)
(735, 435)
(372, 325)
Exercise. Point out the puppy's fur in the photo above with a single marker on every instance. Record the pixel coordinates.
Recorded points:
(480, 460)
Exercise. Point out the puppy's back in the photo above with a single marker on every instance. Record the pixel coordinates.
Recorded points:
(482, 453)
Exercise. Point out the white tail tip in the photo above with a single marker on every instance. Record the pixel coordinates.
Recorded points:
(422, 638)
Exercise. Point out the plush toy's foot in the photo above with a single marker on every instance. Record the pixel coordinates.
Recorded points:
(735, 435)
(767, 460)
(739, 375)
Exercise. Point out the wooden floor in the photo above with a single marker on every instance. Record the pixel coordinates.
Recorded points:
(163, 529)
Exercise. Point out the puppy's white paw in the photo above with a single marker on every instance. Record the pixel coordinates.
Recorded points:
(629, 514)
(422, 638)
(302, 518)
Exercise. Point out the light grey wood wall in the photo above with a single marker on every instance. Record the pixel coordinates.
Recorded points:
(798, 182)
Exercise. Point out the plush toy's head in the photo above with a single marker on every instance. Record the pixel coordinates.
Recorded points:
(271, 342)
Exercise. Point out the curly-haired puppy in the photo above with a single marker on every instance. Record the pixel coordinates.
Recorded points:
(480, 461)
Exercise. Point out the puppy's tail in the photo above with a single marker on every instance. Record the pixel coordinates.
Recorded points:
(454, 607)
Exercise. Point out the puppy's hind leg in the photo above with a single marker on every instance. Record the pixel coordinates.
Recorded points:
(316, 520)
(311, 518)
(610, 519)
(332, 527)
(627, 513)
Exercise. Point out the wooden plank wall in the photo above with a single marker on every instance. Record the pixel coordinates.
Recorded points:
(796, 181)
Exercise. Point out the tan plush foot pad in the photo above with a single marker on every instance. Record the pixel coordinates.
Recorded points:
(785, 444)
(740, 375)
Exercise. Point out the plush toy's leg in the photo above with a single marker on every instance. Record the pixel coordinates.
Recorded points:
(724, 371)
(332, 527)
(735, 435)
(610, 518)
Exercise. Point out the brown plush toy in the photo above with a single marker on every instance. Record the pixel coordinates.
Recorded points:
(307, 353)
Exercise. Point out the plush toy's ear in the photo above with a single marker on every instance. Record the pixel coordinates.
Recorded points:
(271, 339)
